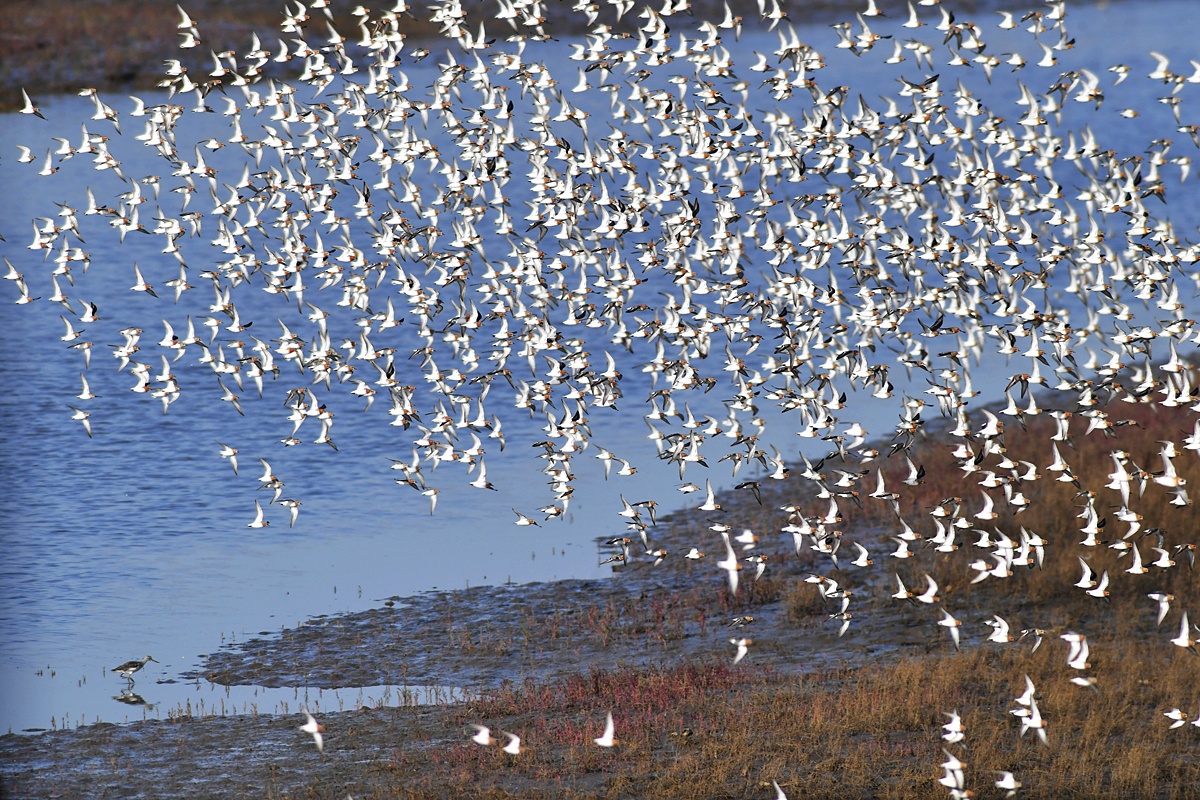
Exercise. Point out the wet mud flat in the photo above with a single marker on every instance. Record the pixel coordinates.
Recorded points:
(857, 716)
(500, 644)
(695, 729)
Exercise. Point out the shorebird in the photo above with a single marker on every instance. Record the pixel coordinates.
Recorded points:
(606, 739)
(743, 647)
(1184, 639)
(954, 728)
(312, 726)
(1008, 783)
(1034, 722)
(29, 107)
(951, 625)
(1164, 604)
(128, 669)
(258, 522)
(513, 747)
(523, 520)
(231, 454)
(292, 506)
(82, 416)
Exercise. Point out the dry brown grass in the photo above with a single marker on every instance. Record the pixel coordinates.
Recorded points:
(709, 730)
(1052, 512)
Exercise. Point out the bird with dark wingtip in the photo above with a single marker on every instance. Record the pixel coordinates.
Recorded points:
(127, 669)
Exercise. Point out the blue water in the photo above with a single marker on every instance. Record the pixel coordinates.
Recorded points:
(135, 542)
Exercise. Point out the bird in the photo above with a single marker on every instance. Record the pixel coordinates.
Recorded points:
(86, 394)
(482, 735)
(140, 284)
(954, 728)
(82, 416)
(743, 647)
(258, 522)
(710, 502)
(730, 564)
(523, 520)
(1078, 655)
(292, 506)
(951, 625)
(132, 666)
(929, 596)
(513, 747)
(231, 454)
(1179, 718)
(1034, 722)
(29, 107)
(1184, 639)
(606, 739)
(1007, 783)
(1164, 604)
(311, 726)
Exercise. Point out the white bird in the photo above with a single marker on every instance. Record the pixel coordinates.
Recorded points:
(513, 747)
(29, 107)
(86, 394)
(929, 596)
(141, 285)
(952, 625)
(1008, 783)
(82, 416)
(1034, 722)
(730, 564)
(1000, 630)
(315, 728)
(1101, 590)
(293, 506)
(259, 522)
(231, 454)
(1087, 581)
(523, 520)
(1078, 655)
(954, 728)
(863, 559)
(607, 740)
(743, 647)
(1184, 639)
(1164, 604)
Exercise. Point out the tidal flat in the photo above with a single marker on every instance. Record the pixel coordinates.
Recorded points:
(858, 715)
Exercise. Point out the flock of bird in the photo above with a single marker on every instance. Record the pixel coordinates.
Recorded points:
(790, 252)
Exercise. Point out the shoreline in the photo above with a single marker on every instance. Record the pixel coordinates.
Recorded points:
(60, 47)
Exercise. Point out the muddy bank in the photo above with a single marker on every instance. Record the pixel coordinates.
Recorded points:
(58, 46)
(234, 757)
(694, 730)
(646, 613)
